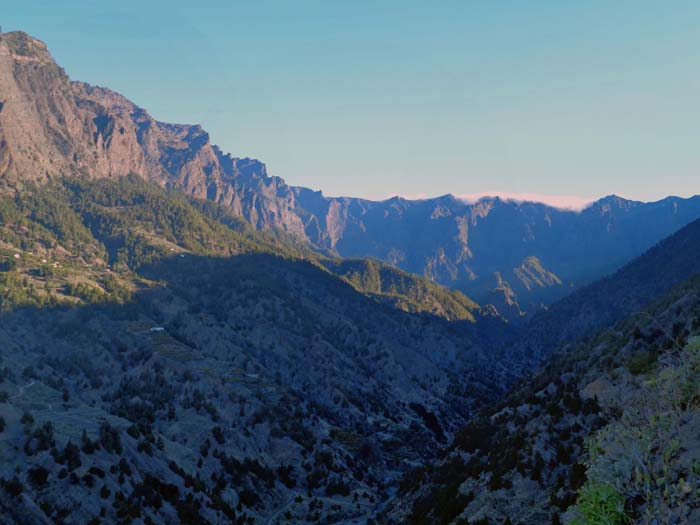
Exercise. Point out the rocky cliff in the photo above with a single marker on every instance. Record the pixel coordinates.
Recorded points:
(51, 127)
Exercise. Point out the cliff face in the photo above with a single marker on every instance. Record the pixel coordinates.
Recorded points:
(42, 134)
(51, 127)
(127, 139)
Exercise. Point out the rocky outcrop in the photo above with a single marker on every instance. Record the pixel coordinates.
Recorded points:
(51, 127)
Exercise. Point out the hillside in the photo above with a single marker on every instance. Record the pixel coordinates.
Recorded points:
(612, 298)
(150, 336)
(586, 434)
(51, 126)
(95, 225)
(404, 290)
(607, 433)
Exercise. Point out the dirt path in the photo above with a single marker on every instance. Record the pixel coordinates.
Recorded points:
(22, 389)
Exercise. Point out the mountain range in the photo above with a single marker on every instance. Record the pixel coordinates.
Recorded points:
(514, 256)
(187, 339)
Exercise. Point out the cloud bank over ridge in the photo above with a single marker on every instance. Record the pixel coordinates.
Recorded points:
(565, 202)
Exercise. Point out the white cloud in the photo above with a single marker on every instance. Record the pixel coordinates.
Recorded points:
(567, 202)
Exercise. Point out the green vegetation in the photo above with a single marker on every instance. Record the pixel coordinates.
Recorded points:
(642, 362)
(223, 334)
(16, 290)
(600, 504)
(647, 455)
(140, 222)
(84, 240)
(86, 292)
(58, 242)
(403, 290)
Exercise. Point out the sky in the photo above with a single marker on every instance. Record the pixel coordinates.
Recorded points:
(565, 101)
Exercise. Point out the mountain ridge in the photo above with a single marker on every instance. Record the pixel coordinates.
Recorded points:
(51, 126)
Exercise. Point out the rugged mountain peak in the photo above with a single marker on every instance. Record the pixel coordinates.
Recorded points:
(25, 48)
(52, 127)
(612, 202)
(674, 200)
(448, 198)
(41, 132)
(105, 97)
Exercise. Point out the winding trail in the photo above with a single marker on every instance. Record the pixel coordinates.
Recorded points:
(23, 388)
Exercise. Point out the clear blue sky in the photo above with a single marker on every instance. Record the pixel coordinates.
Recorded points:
(372, 98)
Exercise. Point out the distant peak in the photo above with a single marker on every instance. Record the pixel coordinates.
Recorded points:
(396, 198)
(613, 198)
(615, 201)
(448, 197)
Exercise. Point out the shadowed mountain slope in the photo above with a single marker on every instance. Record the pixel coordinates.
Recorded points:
(607, 431)
(623, 293)
(163, 360)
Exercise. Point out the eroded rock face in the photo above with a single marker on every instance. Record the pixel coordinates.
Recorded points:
(51, 127)
(41, 132)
